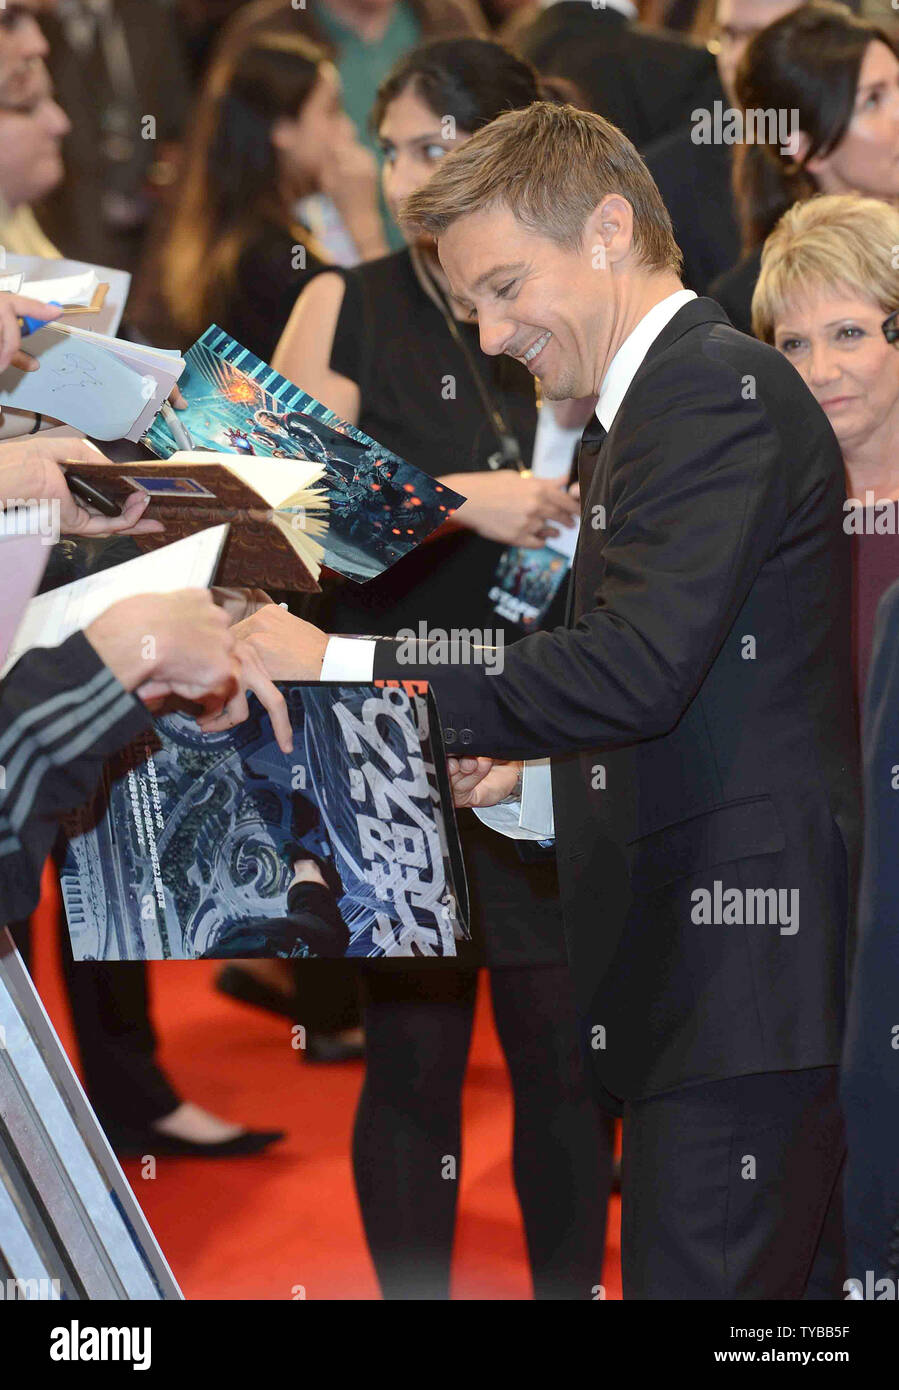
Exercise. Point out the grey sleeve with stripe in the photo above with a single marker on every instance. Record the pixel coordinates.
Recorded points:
(62, 713)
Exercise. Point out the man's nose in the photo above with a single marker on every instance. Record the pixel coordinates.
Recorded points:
(496, 332)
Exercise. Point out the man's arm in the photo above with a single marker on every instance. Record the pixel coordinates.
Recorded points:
(698, 502)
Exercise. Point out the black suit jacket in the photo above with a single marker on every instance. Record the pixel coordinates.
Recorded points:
(644, 82)
(699, 710)
(871, 1065)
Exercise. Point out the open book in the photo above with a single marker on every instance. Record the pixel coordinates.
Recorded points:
(202, 845)
(277, 511)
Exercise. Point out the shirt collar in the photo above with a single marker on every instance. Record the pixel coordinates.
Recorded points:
(622, 6)
(629, 357)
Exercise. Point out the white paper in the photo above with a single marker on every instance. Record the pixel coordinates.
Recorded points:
(22, 563)
(276, 481)
(64, 289)
(52, 617)
(39, 268)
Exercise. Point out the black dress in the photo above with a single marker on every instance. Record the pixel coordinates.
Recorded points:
(418, 396)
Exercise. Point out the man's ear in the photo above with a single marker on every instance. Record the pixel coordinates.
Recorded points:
(609, 230)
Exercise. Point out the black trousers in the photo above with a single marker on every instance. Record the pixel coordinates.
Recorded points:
(407, 1138)
(733, 1190)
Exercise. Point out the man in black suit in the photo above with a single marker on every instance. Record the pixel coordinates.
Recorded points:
(695, 180)
(643, 81)
(697, 708)
(871, 1059)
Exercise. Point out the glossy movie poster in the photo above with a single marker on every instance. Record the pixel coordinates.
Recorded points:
(380, 507)
(217, 846)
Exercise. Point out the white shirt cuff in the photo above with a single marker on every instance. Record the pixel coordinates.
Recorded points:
(537, 798)
(531, 818)
(349, 659)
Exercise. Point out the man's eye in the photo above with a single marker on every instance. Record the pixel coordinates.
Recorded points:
(503, 291)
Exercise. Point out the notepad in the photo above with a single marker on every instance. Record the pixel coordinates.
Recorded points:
(105, 387)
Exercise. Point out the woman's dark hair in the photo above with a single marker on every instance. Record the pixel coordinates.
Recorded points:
(472, 80)
(230, 179)
(807, 61)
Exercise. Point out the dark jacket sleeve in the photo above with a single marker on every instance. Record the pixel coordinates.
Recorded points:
(62, 714)
(698, 500)
(870, 1076)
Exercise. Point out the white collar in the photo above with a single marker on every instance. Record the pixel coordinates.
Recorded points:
(622, 6)
(629, 357)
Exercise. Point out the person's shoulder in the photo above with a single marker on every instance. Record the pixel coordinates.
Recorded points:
(703, 358)
(672, 148)
(390, 271)
(563, 23)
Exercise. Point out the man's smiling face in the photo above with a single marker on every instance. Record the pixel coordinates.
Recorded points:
(550, 307)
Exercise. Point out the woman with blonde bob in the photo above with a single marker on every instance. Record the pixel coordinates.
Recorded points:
(828, 299)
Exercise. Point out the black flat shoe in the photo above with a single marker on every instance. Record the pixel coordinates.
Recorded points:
(136, 1143)
(240, 984)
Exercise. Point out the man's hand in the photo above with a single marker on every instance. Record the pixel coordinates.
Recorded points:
(482, 781)
(182, 644)
(12, 308)
(514, 509)
(272, 645)
(30, 469)
(288, 648)
(168, 644)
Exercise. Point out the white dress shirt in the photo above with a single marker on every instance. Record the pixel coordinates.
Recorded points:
(622, 6)
(353, 658)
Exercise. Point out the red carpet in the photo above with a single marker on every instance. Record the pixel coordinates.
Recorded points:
(285, 1225)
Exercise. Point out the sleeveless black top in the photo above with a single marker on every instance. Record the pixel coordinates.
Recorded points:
(418, 397)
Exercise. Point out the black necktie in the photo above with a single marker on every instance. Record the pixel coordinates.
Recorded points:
(592, 441)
